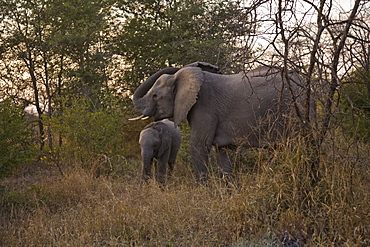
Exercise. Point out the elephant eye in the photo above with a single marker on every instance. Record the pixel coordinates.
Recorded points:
(154, 96)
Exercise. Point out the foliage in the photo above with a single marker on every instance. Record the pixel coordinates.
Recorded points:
(157, 34)
(53, 50)
(79, 31)
(355, 105)
(88, 133)
(15, 144)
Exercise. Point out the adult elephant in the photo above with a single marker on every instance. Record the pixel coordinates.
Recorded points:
(222, 110)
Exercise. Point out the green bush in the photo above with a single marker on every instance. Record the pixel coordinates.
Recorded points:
(355, 105)
(93, 138)
(15, 138)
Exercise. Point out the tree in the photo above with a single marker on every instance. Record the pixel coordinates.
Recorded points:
(156, 34)
(311, 37)
(54, 49)
(355, 91)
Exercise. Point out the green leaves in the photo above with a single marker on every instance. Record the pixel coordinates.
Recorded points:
(87, 133)
(156, 34)
(15, 143)
(355, 104)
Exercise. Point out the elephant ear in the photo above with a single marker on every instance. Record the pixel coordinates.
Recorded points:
(188, 81)
(166, 138)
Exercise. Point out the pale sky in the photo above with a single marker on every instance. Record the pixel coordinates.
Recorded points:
(340, 10)
(345, 4)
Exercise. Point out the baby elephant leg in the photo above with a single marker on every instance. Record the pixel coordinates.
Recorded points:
(161, 168)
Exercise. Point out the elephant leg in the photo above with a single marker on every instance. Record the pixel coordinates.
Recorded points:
(172, 159)
(171, 166)
(203, 128)
(161, 168)
(147, 170)
(200, 161)
(225, 164)
(161, 173)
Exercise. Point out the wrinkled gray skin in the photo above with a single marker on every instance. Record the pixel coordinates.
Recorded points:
(159, 142)
(222, 110)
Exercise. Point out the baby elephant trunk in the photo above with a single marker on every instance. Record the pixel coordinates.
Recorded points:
(147, 159)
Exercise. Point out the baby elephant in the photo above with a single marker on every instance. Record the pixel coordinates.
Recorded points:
(159, 142)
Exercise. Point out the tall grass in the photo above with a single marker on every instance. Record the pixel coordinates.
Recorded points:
(275, 206)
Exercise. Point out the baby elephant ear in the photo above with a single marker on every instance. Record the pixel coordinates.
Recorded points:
(188, 81)
(166, 139)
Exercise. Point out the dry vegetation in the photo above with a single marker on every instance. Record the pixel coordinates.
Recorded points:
(276, 205)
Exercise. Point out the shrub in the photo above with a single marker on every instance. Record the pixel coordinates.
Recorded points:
(93, 138)
(354, 103)
(15, 140)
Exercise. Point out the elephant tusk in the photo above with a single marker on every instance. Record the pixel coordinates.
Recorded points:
(136, 118)
(145, 118)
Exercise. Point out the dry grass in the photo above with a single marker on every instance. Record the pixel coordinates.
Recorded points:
(275, 206)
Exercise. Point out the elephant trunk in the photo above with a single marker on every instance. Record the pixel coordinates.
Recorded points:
(138, 100)
(147, 157)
